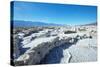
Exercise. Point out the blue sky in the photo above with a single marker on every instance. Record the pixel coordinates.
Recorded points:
(54, 13)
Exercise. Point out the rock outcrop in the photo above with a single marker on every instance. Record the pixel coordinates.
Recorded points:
(39, 44)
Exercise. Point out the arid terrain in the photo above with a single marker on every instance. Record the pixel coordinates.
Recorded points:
(54, 44)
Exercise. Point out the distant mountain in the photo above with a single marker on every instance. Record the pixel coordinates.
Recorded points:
(95, 23)
(30, 24)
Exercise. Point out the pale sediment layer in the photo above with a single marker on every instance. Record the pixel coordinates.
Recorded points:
(83, 51)
(57, 47)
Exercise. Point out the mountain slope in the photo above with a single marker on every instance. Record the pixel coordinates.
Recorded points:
(30, 24)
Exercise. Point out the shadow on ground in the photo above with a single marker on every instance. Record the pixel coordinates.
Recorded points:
(19, 50)
(56, 54)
